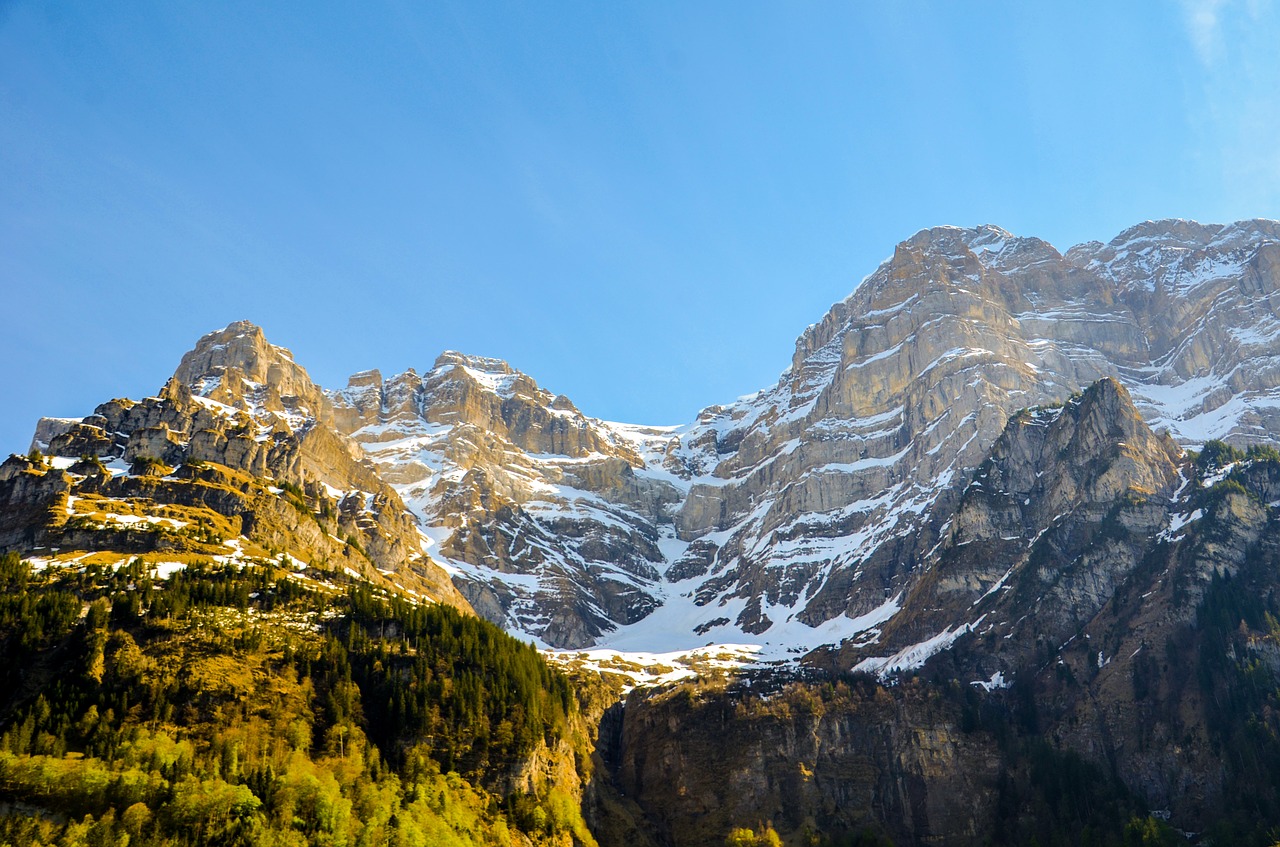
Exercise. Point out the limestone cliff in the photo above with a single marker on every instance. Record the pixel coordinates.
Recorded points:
(831, 762)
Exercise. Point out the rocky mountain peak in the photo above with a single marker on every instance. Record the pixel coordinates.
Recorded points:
(241, 346)
(365, 379)
(238, 367)
(484, 364)
(902, 389)
(1170, 232)
(507, 477)
(462, 373)
(239, 408)
(1094, 449)
(954, 239)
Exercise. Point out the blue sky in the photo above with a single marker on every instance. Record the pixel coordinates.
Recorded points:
(639, 204)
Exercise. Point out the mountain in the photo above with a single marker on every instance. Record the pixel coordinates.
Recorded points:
(995, 560)
(1094, 641)
(1058, 516)
(801, 515)
(552, 521)
(825, 491)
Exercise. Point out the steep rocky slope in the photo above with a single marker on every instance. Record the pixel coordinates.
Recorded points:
(803, 514)
(819, 487)
(1095, 637)
(811, 762)
(554, 522)
(235, 457)
(1061, 512)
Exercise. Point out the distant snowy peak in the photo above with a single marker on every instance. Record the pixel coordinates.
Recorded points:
(463, 390)
(1174, 257)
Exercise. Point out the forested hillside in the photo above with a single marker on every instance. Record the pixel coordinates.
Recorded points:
(239, 705)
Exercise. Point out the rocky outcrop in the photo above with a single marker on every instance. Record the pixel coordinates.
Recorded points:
(241, 404)
(238, 367)
(31, 496)
(553, 519)
(1102, 606)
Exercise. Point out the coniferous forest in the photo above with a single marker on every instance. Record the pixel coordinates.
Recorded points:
(233, 706)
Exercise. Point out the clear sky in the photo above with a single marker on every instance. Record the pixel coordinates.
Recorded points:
(639, 204)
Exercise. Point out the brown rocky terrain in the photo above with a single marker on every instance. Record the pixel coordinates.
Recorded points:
(808, 761)
(252, 455)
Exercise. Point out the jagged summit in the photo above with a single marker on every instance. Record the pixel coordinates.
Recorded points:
(1170, 232)
(241, 345)
(981, 238)
(508, 478)
(819, 491)
(238, 367)
(814, 497)
(480, 363)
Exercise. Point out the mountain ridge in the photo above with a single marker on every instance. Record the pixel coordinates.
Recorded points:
(813, 500)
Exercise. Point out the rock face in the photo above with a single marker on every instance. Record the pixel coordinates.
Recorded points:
(816, 502)
(701, 762)
(1063, 510)
(819, 489)
(553, 520)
